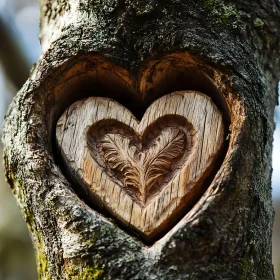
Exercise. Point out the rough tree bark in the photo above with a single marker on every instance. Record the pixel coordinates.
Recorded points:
(136, 51)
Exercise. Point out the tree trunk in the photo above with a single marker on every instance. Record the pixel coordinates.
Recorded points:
(135, 52)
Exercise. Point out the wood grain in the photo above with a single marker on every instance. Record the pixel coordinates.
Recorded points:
(146, 173)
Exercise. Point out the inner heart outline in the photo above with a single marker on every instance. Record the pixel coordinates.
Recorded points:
(142, 164)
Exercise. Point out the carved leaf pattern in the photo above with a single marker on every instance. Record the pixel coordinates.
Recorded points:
(143, 170)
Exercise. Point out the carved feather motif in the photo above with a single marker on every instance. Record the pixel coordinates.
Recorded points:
(168, 146)
(143, 172)
(119, 156)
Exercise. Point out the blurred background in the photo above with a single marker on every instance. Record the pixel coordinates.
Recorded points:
(19, 28)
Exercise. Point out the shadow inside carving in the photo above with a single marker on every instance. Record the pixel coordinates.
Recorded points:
(98, 77)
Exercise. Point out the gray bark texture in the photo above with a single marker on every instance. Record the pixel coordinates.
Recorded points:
(87, 45)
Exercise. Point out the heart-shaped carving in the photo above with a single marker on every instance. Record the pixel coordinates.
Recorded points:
(145, 173)
(141, 164)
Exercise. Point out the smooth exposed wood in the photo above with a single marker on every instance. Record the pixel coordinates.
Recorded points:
(145, 173)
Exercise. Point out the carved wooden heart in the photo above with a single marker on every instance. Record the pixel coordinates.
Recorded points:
(142, 164)
(145, 173)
